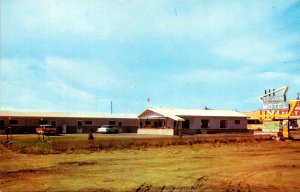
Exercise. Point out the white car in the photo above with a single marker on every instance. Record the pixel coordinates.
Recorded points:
(107, 129)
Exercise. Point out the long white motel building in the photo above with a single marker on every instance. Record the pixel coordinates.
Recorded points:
(159, 121)
(190, 121)
(65, 122)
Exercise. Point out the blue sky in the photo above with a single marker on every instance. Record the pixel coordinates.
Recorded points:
(63, 55)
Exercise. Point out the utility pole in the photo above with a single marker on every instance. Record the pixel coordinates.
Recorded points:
(111, 107)
(298, 98)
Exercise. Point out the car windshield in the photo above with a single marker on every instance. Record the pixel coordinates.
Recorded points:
(46, 126)
(107, 126)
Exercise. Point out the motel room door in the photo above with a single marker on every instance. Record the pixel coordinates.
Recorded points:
(79, 126)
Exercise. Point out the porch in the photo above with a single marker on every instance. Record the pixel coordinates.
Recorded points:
(161, 123)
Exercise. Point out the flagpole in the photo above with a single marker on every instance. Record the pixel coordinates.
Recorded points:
(148, 101)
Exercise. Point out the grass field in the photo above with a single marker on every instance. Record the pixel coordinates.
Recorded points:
(79, 143)
(208, 166)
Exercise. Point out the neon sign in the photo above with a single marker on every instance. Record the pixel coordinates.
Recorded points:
(274, 100)
(274, 105)
(294, 109)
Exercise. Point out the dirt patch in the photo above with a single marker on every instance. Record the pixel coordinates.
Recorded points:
(93, 190)
(199, 185)
(5, 152)
(77, 163)
(25, 171)
(246, 187)
(286, 166)
(263, 154)
(253, 166)
(203, 157)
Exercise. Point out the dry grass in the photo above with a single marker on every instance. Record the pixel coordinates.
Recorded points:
(80, 143)
(218, 166)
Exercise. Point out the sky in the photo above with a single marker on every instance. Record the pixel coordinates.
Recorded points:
(79, 56)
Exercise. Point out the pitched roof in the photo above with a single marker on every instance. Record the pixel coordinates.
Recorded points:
(65, 114)
(159, 113)
(252, 115)
(178, 113)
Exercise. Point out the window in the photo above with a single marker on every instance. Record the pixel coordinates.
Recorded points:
(112, 122)
(42, 122)
(13, 122)
(88, 122)
(141, 124)
(53, 123)
(1, 124)
(160, 123)
(204, 123)
(186, 124)
(251, 121)
(147, 123)
(155, 124)
(79, 123)
(237, 122)
(223, 124)
(120, 124)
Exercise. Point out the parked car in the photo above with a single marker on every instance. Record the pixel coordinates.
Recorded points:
(107, 129)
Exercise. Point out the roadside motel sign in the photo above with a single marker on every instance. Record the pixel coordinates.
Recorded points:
(274, 104)
(272, 126)
(294, 109)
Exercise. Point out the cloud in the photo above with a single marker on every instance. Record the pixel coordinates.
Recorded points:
(254, 50)
(123, 20)
(87, 73)
(42, 83)
(13, 95)
(215, 76)
(66, 92)
(249, 32)
(83, 72)
(89, 21)
(293, 79)
(273, 79)
(125, 51)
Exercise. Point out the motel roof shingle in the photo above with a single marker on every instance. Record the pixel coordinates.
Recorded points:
(65, 115)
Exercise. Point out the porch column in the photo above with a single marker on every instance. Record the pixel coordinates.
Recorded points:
(166, 122)
(139, 122)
